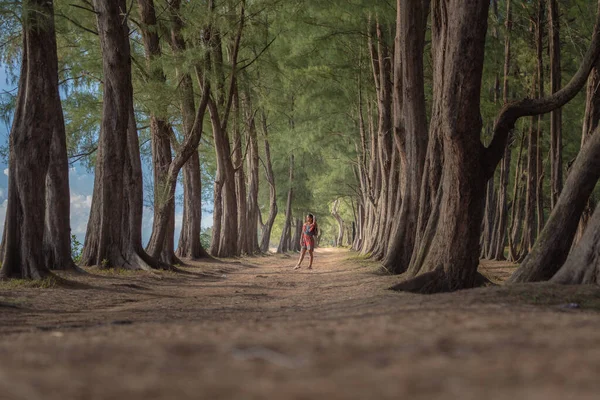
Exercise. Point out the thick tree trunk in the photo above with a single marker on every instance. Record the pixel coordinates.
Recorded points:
(270, 178)
(556, 116)
(412, 140)
(37, 129)
(458, 41)
(285, 233)
(106, 243)
(189, 245)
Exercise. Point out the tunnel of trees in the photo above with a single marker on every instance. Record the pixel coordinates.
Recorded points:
(426, 135)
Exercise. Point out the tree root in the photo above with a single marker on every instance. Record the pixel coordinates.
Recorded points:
(437, 281)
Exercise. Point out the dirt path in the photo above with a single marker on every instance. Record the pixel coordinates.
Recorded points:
(255, 329)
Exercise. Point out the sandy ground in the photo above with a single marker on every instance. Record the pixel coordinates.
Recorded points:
(255, 329)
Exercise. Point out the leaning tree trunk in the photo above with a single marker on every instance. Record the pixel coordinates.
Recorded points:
(583, 264)
(285, 233)
(410, 127)
(270, 178)
(590, 123)
(552, 247)
(38, 128)
(189, 245)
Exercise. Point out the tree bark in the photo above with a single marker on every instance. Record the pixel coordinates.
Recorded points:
(458, 40)
(106, 243)
(285, 233)
(160, 137)
(38, 128)
(270, 178)
(552, 247)
(497, 250)
(556, 115)
(410, 127)
(189, 245)
(225, 218)
(240, 177)
(590, 123)
(339, 240)
(252, 246)
(583, 264)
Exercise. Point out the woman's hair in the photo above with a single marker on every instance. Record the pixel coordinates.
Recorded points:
(311, 216)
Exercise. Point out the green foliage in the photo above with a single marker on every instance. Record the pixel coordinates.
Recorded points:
(76, 249)
(206, 237)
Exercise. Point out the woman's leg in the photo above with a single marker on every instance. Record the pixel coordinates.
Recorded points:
(301, 258)
(310, 254)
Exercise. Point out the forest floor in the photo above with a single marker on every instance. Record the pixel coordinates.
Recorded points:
(255, 329)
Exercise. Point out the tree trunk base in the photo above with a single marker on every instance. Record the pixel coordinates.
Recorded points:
(436, 282)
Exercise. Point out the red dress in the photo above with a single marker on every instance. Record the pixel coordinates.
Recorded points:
(307, 240)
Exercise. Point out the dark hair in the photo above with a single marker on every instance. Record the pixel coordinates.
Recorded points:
(310, 215)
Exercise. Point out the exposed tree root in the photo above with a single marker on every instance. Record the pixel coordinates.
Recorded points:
(437, 281)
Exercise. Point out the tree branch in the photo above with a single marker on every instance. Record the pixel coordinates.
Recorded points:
(509, 115)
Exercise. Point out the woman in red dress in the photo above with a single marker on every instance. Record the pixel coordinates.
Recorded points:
(307, 240)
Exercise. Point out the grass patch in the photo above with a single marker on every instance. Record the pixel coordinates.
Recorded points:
(546, 294)
(49, 282)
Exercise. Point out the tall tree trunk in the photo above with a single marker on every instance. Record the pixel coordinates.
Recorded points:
(37, 130)
(458, 40)
(517, 207)
(385, 138)
(160, 136)
(253, 182)
(189, 245)
(339, 240)
(556, 116)
(240, 177)
(106, 242)
(285, 233)
(539, 195)
(225, 231)
(224, 241)
(295, 244)
(270, 178)
(410, 115)
(497, 250)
